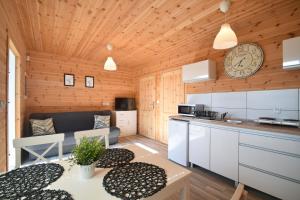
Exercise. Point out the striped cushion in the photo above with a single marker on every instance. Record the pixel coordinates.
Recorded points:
(42, 127)
(101, 121)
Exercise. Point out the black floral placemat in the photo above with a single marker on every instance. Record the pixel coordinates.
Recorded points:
(114, 158)
(48, 195)
(135, 180)
(24, 181)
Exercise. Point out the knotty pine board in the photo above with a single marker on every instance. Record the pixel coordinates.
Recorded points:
(9, 28)
(167, 90)
(171, 94)
(147, 110)
(267, 26)
(281, 20)
(47, 93)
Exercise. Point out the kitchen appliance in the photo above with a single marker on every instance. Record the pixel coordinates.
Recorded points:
(274, 121)
(124, 104)
(186, 109)
(178, 138)
(205, 114)
(189, 109)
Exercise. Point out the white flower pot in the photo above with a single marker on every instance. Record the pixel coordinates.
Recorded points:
(87, 171)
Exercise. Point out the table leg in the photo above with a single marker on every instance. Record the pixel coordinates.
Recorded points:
(185, 192)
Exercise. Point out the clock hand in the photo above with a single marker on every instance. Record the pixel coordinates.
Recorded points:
(239, 63)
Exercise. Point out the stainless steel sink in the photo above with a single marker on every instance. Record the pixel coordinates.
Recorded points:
(232, 121)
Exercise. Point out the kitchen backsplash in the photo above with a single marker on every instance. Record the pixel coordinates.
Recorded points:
(282, 104)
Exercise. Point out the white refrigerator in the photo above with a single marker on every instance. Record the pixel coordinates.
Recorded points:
(178, 141)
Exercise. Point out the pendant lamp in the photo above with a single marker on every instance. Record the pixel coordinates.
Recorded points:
(110, 64)
(226, 37)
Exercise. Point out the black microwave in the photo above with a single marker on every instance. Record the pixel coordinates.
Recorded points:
(186, 109)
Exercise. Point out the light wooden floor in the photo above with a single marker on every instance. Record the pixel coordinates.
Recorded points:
(204, 184)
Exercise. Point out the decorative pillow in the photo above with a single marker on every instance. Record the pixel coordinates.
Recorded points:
(42, 127)
(101, 121)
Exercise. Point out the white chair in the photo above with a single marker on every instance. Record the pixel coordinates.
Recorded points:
(101, 133)
(23, 143)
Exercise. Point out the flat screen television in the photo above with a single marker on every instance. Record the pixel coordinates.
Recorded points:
(124, 104)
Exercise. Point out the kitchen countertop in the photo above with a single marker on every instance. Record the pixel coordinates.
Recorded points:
(245, 125)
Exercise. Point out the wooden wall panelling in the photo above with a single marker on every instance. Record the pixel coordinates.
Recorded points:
(9, 29)
(47, 93)
(82, 29)
(172, 94)
(268, 23)
(279, 21)
(147, 112)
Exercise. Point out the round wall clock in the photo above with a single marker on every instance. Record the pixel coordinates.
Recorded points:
(243, 60)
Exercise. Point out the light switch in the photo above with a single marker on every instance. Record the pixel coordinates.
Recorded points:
(2, 104)
(105, 103)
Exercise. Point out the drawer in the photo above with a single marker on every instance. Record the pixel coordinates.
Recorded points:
(269, 161)
(122, 121)
(272, 185)
(271, 142)
(122, 125)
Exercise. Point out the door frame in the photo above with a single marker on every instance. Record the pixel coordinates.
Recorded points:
(154, 128)
(11, 45)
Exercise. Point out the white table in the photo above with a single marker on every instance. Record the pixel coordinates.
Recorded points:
(80, 189)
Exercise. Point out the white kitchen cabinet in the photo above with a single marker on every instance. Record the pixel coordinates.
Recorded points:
(268, 161)
(270, 184)
(126, 121)
(178, 141)
(199, 145)
(224, 153)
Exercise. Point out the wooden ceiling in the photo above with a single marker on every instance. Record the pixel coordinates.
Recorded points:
(140, 30)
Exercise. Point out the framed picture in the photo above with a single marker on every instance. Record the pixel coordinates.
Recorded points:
(69, 80)
(89, 81)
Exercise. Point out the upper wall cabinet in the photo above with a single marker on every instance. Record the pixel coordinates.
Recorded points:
(200, 71)
(291, 53)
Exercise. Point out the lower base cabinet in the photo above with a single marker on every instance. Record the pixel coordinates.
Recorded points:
(126, 121)
(278, 187)
(266, 161)
(271, 163)
(199, 145)
(224, 153)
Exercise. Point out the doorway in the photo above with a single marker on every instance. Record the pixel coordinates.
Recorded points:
(13, 102)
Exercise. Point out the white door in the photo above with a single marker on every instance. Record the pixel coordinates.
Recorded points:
(11, 115)
(199, 145)
(178, 141)
(224, 153)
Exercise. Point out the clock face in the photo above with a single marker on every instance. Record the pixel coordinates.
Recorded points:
(243, 60)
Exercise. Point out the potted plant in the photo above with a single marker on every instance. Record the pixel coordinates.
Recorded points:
(86, 154)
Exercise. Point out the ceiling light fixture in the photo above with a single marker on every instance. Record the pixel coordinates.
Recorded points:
(226, 37)
(110, 64)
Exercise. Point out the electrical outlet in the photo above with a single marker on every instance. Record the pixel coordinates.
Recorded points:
(105, 103)
(277, 110)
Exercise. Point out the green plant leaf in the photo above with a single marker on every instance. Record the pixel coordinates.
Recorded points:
(87, 152)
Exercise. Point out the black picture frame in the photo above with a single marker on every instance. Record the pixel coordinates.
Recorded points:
(91, 78)
(66, 80)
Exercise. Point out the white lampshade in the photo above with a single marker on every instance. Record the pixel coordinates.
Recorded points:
(226, 38)
(110, 64)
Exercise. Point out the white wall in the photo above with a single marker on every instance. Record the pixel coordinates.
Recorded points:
(282, 104)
